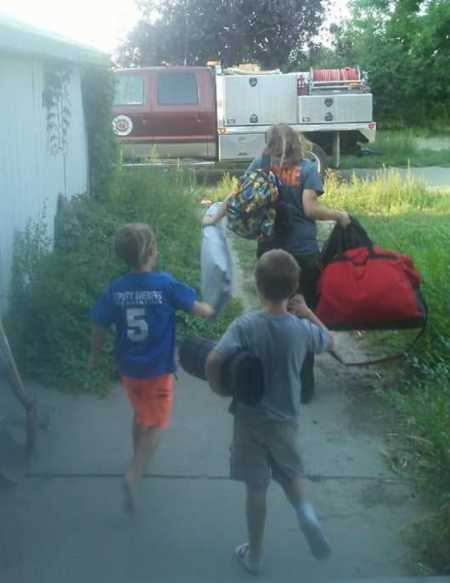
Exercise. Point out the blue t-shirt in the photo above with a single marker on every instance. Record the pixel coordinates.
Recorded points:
(142, 307)
(301, 236)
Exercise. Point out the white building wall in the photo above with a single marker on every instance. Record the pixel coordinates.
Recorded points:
(31, 177)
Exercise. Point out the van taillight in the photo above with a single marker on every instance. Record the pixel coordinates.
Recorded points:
(301, 86)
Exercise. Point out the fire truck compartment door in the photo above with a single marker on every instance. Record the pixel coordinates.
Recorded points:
(260, 99)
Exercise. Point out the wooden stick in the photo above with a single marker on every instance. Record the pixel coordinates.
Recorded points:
(16, 383)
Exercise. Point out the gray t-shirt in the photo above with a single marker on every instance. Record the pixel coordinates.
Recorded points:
(300, 238)
(281, 343)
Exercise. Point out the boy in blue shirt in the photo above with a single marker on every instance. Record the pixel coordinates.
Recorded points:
(265, 436)
(142, 306)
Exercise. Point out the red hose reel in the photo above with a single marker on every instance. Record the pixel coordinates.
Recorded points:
(330, 75)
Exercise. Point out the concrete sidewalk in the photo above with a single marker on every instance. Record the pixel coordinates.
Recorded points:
(64, 522)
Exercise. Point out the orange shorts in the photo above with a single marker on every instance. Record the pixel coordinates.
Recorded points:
(151, 399)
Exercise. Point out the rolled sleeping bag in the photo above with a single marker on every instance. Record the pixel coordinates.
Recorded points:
(215, 263)
(192, 353)
(243, 376)
(242, 373)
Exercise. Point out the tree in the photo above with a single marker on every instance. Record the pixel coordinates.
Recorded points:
(232, 31)
(404, 45)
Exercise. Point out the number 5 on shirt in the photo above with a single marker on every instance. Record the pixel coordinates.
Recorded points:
(137, 327)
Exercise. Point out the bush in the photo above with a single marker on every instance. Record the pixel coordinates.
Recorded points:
(53, 289)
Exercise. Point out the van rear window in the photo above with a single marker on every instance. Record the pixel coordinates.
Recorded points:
(177, 89)
(129, 90)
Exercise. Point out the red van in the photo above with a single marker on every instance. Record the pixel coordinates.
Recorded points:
(172, 110)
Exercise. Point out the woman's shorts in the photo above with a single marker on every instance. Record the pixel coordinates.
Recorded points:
(151, 399)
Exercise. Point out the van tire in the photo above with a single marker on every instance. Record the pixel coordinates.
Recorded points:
(318, 155)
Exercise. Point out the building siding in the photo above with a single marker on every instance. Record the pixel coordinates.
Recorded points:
(31, 175)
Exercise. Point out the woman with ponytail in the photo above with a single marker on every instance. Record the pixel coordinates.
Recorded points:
(300, 188)
(298, 210)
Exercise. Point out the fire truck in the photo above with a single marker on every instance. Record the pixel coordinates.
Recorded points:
(210, 113)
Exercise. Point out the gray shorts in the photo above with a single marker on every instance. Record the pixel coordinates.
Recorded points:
(263, 449)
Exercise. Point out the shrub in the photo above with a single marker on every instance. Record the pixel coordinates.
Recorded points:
(53, 289)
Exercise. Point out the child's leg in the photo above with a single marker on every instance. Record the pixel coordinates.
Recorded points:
(135, 433)
(151, 400)
(294, 490)
(250, 554)
(146, 442)
(307, 518)
(249, 464)
(256, 520)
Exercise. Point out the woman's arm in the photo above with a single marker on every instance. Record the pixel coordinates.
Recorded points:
(316, 211)
(218, 216)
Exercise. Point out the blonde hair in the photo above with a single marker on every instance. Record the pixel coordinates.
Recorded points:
(284, 144)
(134, 243)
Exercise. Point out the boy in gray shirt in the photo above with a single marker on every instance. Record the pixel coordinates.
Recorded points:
(265, 436)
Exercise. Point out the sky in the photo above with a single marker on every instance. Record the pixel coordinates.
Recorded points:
(100, 23)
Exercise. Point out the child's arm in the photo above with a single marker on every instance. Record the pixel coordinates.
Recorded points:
(182, 297)
(230, 343)
(221, 211)
(297, 306)
(98, 337)
(202, 310)
(214, 364)
(209, 220)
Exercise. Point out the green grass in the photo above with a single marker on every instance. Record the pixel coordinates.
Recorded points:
(220, 190)
(245, 250)
(398, 148)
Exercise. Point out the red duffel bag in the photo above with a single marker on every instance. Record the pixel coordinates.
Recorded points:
(368, 288)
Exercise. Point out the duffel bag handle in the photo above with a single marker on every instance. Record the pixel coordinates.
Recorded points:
(342, 239)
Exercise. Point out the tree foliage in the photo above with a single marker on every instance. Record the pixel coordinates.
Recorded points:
(232, 31)
(98, 92)
(404, 45)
